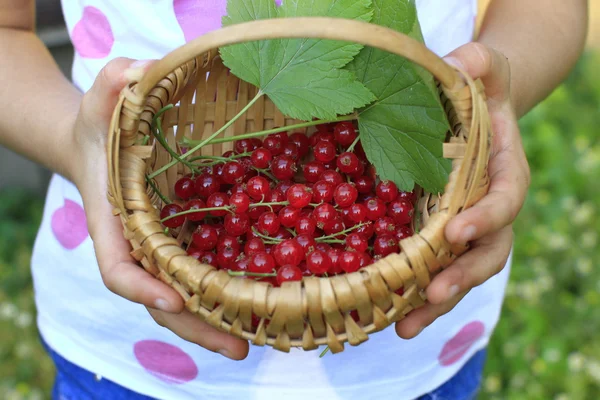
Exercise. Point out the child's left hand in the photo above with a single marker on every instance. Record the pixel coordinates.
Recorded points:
(488, 224)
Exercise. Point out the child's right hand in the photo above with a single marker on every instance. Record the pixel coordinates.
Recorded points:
(119, 272)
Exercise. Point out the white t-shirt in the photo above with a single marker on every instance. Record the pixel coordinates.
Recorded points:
(118, 340)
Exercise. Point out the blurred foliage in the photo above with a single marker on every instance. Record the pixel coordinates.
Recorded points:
(546, 345)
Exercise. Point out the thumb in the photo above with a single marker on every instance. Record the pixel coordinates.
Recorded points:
(99, 102)
(487, 64)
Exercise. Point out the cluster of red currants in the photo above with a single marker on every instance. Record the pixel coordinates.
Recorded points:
(291, 206)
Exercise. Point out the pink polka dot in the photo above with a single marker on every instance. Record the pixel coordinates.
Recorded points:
(92, 36)
(199, 17)
(165, 361)
(278, 2)
(69, 225)
(458, 346)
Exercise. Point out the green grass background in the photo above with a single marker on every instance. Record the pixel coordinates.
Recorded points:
(547, 344)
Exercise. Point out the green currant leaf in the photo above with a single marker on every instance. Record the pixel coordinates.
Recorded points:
(303, 77)
(403, 131)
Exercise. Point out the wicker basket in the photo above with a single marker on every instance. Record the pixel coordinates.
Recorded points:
(315, 311)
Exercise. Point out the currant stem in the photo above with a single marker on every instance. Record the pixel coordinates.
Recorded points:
(164, 198)
(335, 235)
(351, 117)
(275, 203)
(211, 137)
(257, 233)
(265, 172)
(194, 211)
(224, 159)
(245, 273)
(351, 148)
(324, 352)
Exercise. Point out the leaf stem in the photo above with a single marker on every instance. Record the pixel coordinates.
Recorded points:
(350, 117)
(351, 148)
(211, 137)
(324, 352)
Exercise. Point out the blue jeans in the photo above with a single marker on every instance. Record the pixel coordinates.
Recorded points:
(75, 383)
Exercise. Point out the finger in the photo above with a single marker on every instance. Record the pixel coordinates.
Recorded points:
(189, 327)
(422, 317)
(119, 272)
(484, 260)
(480, 61)
(509, 181)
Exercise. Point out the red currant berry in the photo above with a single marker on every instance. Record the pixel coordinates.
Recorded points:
(206, 184)
(358, 172)
(268, 224)
(233, 172)
(349, 261)
(324, 151)
(243, 146)
(312, 170)
(375, 208)
(172, 209)
(365, 260)
(299, 196)
(400, 291)
(317, 262)
(209, 258)
(344, 133)
(256, 211)
(283, 234)
(323, 247)
(195, 204)
(226, 257)
(284, 186)
(307, 242)
(324, 213)
(331, 176)
(228, 241)
(241, 264)
(217, 200)
(366, 231)
(276, 197)
(219, 228)
(288, 273)
(301, 141)
(386, 191)
(258, 188)
(184, 188)
(323, 192)
(345, 195)
(288, 216)
(261, 158)
(411, 197)
(385, 244)
(274, 144)
(335, 255)
(256, 142)
(195, 253)
(322, 136)
(403, 232)
(357, 213)
(288, 252)
(239, 202)
(205, 237)
(283, 167)
(306, 225)
(237, 224)
(401, 211)
(261, 263)
(364, 184)
(333, 227)
(291, 150)
(356, 242)
(253, 246)
(348, 163)
(384, 226)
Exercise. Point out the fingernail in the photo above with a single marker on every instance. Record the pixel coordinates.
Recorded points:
(453, 291)
(225, 353)
(135, 72)
(454, 62)
(419, 331)
(162, 305)
(468, 233)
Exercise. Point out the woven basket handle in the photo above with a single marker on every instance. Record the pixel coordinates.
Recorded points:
(305, 27)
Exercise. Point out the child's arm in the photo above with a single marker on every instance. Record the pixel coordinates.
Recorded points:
(47, 120)
(526, 48)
